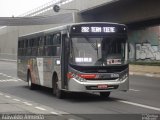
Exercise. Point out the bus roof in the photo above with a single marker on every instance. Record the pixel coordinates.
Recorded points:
(64, 27)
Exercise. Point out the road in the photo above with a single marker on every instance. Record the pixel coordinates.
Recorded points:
(15, 97)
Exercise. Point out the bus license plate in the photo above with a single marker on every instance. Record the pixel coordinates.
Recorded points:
(104, 86)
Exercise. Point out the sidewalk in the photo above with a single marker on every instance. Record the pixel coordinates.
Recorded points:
(150, 71)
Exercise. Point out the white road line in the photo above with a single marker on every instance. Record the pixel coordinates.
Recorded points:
(7, 80)
(7, 96)
(134, 90)
(55, 113)
(26, 103)
(3, 81)
(140, 105)
(6, 75)
(9, 76)
(40, 108)
(16, 100)
(19, 80)
(14, 80)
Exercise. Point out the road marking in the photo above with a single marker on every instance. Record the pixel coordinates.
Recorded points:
(140, 105)
(55, 113)
(59, 113)
(19, 80)
(7, 96)
(16, 100)
(13, 78)
(40, 108)
(134, 90)
(29, 104)
(71, 119)
(9, 80)
(3, 81)
(6, 75)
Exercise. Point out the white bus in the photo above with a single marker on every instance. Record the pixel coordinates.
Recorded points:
(80, 57)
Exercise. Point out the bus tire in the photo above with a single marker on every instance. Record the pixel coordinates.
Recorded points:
(30, 84)
(56, 91)
(104, 94)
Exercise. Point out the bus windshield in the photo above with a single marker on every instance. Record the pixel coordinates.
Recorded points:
(97, 51)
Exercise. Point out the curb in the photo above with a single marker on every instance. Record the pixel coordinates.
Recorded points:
(145, 74)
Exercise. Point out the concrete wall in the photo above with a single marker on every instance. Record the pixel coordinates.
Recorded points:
(145, 44)
(8, 43)
(130, 11)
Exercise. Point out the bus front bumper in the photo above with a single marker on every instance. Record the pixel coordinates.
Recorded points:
(98, 85)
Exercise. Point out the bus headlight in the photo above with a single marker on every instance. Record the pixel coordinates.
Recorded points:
(124, 77)
(75, 76)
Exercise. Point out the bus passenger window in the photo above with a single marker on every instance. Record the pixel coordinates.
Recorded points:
(57, 39)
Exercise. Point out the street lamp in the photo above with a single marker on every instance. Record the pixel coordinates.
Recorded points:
(57, 8)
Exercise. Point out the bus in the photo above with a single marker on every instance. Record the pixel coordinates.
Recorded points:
(87, 57)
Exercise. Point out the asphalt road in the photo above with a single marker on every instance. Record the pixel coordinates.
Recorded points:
(143, 98)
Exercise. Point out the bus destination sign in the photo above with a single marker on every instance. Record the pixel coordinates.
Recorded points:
(98, 29)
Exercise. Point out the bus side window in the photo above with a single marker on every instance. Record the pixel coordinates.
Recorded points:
(29, 48)
(22, 46)
(52, 45)
(19, 48)
(40, 51)
(34, 47)
(57, 39)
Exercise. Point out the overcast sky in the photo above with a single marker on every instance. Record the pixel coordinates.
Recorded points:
(10, 8)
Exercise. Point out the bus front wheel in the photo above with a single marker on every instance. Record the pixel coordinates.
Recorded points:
(30, 84)
(56, 91)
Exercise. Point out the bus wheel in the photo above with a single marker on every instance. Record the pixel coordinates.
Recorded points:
(56, 91)
(104, 94)
(30, 84)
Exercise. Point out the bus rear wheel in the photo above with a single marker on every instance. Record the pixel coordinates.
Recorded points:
(104, 94)
(56, 91)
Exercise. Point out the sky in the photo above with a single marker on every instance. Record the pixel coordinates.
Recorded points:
(9, 8)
